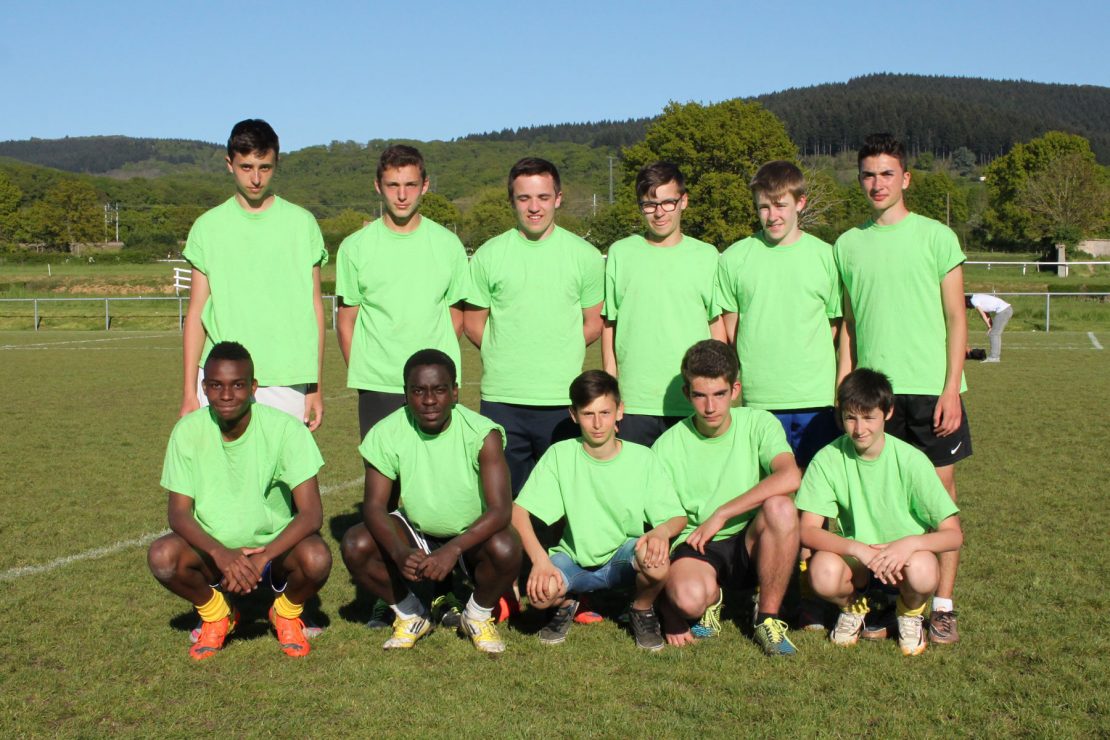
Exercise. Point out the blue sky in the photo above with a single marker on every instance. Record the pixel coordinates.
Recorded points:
(437, 70)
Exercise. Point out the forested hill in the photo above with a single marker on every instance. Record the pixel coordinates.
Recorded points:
(121, 155)
(941, 114)
(611, 134)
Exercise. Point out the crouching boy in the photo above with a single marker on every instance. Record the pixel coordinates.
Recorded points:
(895, 516)
(605, 490)
(244, 508)
(456, 509)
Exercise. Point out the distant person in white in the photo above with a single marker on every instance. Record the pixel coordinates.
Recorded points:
(989, 304)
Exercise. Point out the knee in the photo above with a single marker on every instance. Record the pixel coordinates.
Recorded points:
(922, 572)
(827, 573)
(780, 515)
(689, 597)
(503, 549)
(357, 546)
(163, 557)
(315, 560)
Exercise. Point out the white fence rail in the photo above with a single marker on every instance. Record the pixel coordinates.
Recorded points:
(1054, 266)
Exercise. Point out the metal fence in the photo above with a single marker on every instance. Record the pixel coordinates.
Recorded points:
(1051, 266)
(40, 307)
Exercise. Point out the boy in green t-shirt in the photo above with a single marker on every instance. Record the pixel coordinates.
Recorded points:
(455, 511)
(534, 305)
(244, 507)
(658, 301)
(734, 474)
(401, 281)
(894, 516)
(256, 262)
(605, 490)
(904, 313)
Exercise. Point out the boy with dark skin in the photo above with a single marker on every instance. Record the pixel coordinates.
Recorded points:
(456, 510)
(219, 530)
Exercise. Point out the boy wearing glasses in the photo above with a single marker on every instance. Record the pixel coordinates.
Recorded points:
(658, 301)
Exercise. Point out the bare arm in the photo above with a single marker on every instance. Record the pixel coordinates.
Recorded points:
(608, 348)
(834, 326)
(544, 580)
(345, 321)
(474, 324)
(717, 329)
(239, 574)
(314, 398)
(730, 321)
(457, 319)
(307, 521)
(890, 559)
(654, 548)
(846, 352)
(591, 324)
(193, 335)
(376, 502)
(948, 414)
(784, 480)
(983, 315)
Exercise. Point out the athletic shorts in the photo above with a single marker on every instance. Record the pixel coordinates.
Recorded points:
(912, 422)
(808, 430)
(643, 429)
(617, 572)
(729, 558)
(287, 398)
(529, 431)
(429, 544)
(373, 406)
(267, 577)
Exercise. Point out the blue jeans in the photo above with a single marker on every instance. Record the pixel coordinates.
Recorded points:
(807, 431)
(616, 573)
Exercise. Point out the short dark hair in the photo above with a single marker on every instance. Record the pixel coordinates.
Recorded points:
(592, 385)
(430, 357)
(252, 135)
(710, 358)
(534, 166)
(400, 155)
(876, 144)
(967, 302)
(865, 389)
(659, 173)
(230, 351)
(778, 177)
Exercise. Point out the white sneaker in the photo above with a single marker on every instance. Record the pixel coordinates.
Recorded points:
(911, 635)
(848, 627)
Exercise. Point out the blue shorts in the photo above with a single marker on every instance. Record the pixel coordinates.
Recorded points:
(616, 573)
(808, 430)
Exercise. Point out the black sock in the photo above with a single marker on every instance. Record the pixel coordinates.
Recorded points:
(760, 616)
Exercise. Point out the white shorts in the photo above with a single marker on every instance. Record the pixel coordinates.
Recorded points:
(287, 398)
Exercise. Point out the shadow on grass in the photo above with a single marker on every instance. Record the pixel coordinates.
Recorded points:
(253, 615)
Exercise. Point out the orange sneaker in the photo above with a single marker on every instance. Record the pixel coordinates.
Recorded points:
(212, 636)
(290, 634)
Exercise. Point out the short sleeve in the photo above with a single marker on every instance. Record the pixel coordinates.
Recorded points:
(458, 289)
(725, 296)
(772, 439)
(929, 501)
(662, 500)
(177, 468)
(378, 450)
(947, 249)
(194, 247)
(592, 270)
(316, 247)
(346, 273)
(834, 305)
(541, 495)
(479, 283)
(612, 300)
(300, 457)
(817, 493)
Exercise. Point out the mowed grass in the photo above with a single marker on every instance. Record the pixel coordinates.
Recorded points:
(93, 646)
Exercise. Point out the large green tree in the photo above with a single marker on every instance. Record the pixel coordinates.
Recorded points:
(718, 147)
(490, 215)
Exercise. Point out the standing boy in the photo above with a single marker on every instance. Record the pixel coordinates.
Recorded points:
(904, 314)
(894, 515)
(734, 474)
(401, 281)
(780, 293)
(244, 508)
(658, 301)
(605, 490)
(456, 508)
(256, 262)
(534, 307)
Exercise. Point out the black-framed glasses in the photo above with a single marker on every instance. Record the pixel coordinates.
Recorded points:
(649, 206)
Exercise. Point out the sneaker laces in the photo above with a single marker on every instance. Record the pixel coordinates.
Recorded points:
(775, 629)
(645, 620)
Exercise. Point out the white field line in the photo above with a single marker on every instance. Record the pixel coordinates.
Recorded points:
(112, 549)
(38, 345)
(1091, 336)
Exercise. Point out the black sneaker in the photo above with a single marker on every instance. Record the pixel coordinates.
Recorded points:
(561, 619)
(645, 626)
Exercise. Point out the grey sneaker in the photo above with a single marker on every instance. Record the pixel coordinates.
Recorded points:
(911, 635)
(645, 627)
(557, 628)
(848, 627)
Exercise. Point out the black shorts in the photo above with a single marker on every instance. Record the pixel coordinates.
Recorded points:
(729, 558)
(643, 429)
(429, 544)
(912, 422)
(373, 406)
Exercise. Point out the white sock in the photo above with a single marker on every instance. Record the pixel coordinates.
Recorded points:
(477, 613)
(942, 605)
(408, 607)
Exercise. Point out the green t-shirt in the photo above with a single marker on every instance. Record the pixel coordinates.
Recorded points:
(404, 286)
(784, 297)
(896, 495)
(892, 275)
(259, 269)
(441, 486)
(710, 471)
(242, 491)
(605, 502)
(662, 301)
(533, 347)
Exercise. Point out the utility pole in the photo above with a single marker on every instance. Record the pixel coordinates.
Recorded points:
(610, 180)
(595, 204)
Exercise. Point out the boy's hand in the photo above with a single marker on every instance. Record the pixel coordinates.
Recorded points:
(947, 414)
(705, 532)
(890, 560)
(543, 583)
(439, 564)
(653, 549)
(410, 564)
(239, 573)
(313, 410)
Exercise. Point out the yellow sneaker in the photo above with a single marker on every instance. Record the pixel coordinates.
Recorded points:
(407, 631)
(483, 633)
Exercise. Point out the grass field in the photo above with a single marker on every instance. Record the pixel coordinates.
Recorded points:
(93, 646)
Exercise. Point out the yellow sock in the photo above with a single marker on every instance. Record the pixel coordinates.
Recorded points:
(215, 609)
(286, 609)
(857, 604)
(904, 611)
